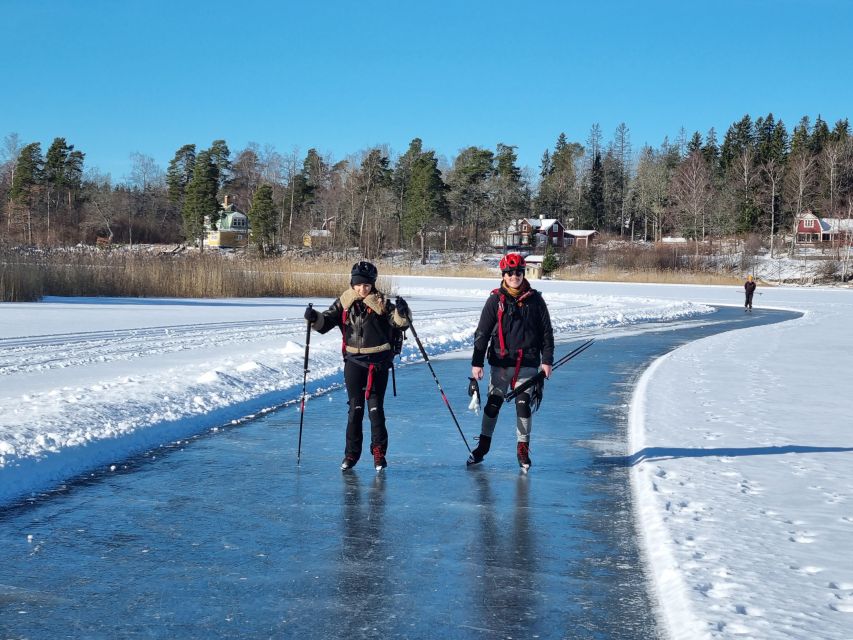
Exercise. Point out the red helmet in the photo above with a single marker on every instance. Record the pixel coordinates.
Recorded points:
(512, 261)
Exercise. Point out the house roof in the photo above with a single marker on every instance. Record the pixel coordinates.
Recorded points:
(541, 223)
(836, 224)
(226, 220)
(580, 233)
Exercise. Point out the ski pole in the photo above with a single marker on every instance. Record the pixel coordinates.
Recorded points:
(541, 375)
(438, 384)
(304, 381)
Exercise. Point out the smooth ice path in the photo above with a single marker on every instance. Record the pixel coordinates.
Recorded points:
(223, 535)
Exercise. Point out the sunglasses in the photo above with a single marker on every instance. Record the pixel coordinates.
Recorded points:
(514, 272)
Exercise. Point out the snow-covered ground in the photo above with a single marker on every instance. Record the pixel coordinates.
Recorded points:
(741, 442)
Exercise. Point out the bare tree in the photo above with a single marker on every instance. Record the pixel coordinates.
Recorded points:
(691, 194)
(9, 152)
(622, 155)
(799, 184)
(773, 172)
(848, 241)
(830, 160)
(99, 210)
(652, 184)
(144, 175)
(291, 168)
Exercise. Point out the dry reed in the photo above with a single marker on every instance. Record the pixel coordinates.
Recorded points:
(29, 276)
(657, 276)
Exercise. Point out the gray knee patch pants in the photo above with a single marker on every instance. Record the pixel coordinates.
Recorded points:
(499, 385)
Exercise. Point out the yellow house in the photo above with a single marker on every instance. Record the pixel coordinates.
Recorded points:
(232, 229)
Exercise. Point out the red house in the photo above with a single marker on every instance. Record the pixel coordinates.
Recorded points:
(809, 229)
(541, 231)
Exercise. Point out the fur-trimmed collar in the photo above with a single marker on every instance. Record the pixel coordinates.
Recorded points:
(375, 300)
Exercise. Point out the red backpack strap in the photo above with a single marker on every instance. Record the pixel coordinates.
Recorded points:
(369, 385)
(517, 368)
(344, 332)
(501, 307)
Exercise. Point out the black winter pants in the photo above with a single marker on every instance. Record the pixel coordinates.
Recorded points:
(356, 379)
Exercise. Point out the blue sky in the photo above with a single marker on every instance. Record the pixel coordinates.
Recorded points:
(115, 78)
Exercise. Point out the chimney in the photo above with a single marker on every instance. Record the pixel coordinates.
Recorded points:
(225, 204)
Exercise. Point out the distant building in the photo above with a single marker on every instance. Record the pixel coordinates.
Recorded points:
(536, 233)
(579, 237)
(232, 228)
(534, 267)
(508, 237)
(810, 229)
(541, 231)
(320, 238)
(317, 238)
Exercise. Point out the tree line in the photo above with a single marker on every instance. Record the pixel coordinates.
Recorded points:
(754, 181)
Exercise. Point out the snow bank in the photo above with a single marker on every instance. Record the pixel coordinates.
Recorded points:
(142, 373)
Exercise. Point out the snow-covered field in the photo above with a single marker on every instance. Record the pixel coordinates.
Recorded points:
(742, 442)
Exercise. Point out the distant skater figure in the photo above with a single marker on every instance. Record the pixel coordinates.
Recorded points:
(367, 321)
(516, 336)
(749, 288)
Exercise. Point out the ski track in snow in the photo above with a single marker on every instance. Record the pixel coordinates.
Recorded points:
(77, 401)
(756, 471)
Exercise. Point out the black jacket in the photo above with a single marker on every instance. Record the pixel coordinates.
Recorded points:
(370, 323)
(524, 324)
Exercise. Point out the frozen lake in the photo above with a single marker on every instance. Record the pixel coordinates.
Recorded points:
(224, 536)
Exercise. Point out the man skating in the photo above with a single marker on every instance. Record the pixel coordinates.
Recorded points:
(749, 288)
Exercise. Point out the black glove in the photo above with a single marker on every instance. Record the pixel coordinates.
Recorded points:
(311, 315)
(473, 387)
(402, 307)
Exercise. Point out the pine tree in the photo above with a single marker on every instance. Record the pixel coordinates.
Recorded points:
(770, 140)
(739, 137)
(510, 197)
(800, 138)
(545, 165)
(28, 174)
(595, 194)
(557, 188)
(505, 163)
(711, 150)
(372, 177)
(221, 157)
(426, 202)
(63, 175)
(841, 130)
(263, 219)
(695, 143)
(200, 198)
(550, 263)
(467, 188)
(179, 174)
(820, 136)
(401, 181)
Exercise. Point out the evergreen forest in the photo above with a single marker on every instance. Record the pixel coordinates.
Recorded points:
(754, 180)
